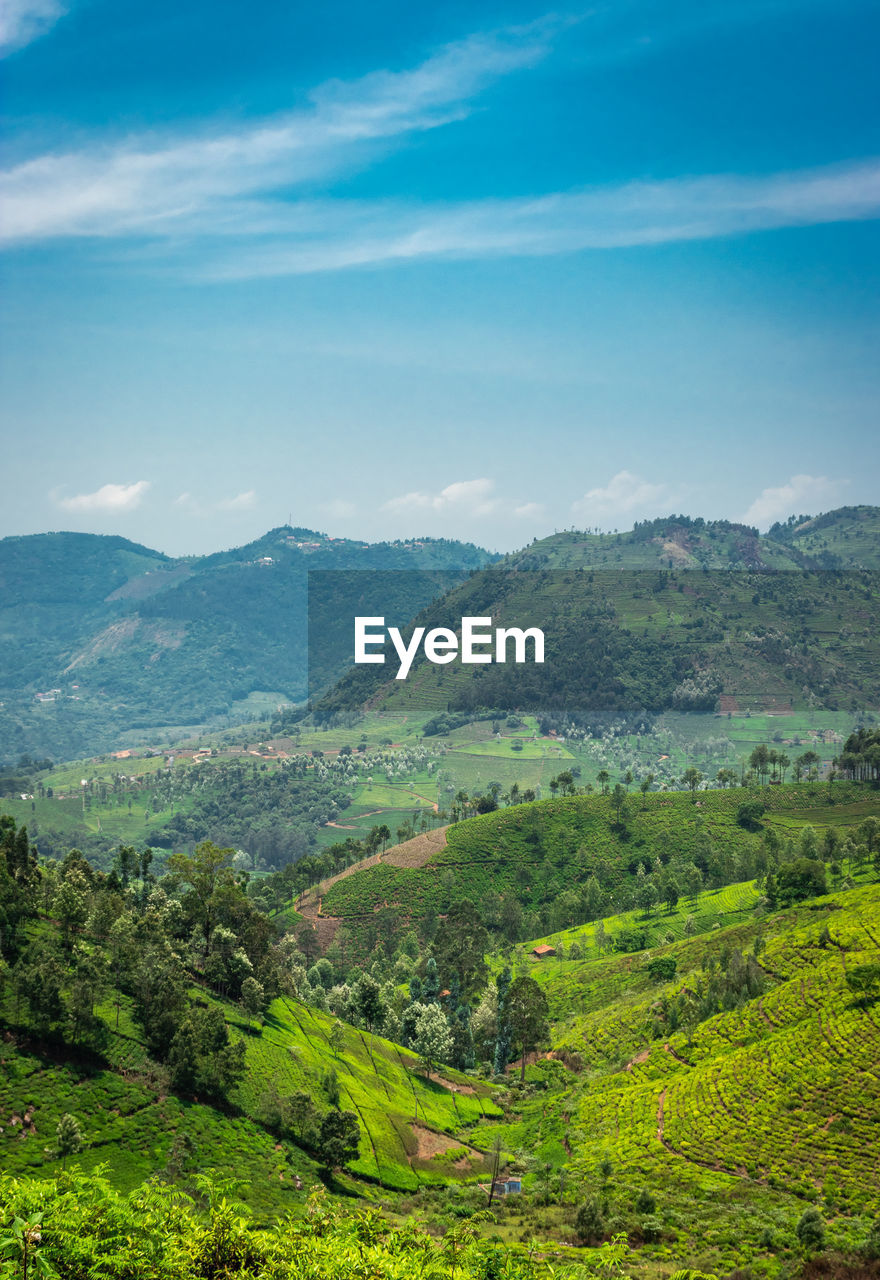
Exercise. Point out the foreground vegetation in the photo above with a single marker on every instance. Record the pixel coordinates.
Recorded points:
(79, 1226)
(692, 1070)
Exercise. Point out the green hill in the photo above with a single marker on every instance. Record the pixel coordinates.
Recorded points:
(848, 538)
(107, 643)
(640, 642)
(674, 542)
(135, 1127)
(705, 1072)
(705, 1116)
(551, 863)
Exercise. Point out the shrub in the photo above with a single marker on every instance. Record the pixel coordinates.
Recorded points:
(589, 1221)
(749, 815)
(651, 1228)
(810, 1231)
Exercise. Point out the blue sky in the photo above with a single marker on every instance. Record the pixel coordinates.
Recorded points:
(475, 271)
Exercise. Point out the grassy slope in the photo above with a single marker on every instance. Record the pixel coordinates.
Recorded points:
(504, 851)
(130, 1122)
(765, 1109)
(847, 538)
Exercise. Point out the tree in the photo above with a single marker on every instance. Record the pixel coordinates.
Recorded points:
(810, 1231)
(759, 760)
(749, 815)
(338, 1138)
(70, 906)
(603, 777)
(669, 891)
(302, 1115)
(201, 1057)
(87, 988)
(460, 949)
(502, 1022)
(798, 880)
(807, 764)
(159, 1001)
(645, 786)
(432, 1040)
(207, 870)
(336, 1037)
(589, 1221)
(527, 1012)
(307, 939)
(869, 830)
(692, 779)
(253, 998)
(39, 978)
(69, 1139)
(618, 802)
(368, 1001)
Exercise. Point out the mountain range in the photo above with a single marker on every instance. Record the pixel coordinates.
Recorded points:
(107, 642)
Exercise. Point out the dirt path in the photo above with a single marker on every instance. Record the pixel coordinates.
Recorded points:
(308, 904)
(677, 1056)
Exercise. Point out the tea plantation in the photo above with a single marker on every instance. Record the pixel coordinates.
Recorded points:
(729, 1126)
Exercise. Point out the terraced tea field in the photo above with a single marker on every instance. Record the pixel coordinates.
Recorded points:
(737, 1123)
(414, 1131)
(534, 852)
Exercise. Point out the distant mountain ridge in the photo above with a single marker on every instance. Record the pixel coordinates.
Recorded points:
(848, 538)
(680, 614)
(101, 637)
(106, 642)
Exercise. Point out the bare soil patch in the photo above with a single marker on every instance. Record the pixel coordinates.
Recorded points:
(452, 1086)
(431, 1143)
(418, 851)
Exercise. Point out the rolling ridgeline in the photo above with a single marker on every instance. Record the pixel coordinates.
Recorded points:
(107, 643)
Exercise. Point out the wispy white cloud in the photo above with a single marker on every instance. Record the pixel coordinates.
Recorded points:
(625, 494)
(187, 501)
(22, 21)
(336, 235)
(228, 203)
(205, 184)
(109, 498)
(241, 502)
(464, 497)
(802, 494)
(529, 510)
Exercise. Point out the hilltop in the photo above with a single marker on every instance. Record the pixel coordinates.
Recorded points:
(107, 643)
(533, 867)
(111, 644)
(636, 643)
(848, 538)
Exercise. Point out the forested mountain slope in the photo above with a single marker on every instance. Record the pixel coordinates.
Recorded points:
(102, 638)
(636, 643)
